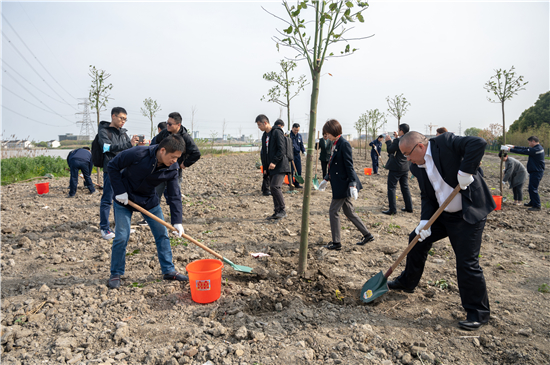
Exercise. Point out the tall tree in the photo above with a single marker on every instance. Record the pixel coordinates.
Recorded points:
(535, 116)
(359, 127)
(286, 88)
(312, 28)
(472, 131)
(377, 120)
(397, 106)
(99, 90)
(150, 110)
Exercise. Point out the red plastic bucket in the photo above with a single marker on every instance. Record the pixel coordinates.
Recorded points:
(368, 171)
(498, 201)
(42, 188)
(205, 279)
(262, 169)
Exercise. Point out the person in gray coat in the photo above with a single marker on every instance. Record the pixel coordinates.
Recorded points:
(515, 174)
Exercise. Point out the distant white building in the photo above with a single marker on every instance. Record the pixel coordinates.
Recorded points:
(19, 144)
(53, 143)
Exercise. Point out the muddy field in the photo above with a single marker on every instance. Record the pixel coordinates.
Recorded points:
(56, 307)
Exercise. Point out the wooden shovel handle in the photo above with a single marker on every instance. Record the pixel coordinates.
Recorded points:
(169, 226)
(317, 153)
(428, 225)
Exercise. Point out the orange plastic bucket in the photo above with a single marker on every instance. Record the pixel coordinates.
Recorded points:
(286, 179)
(368, 171)
(498, 201)
(205, 279)
(42, 188)
(262, 169)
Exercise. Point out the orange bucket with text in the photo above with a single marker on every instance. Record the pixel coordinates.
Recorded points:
(368, 171)
(498, 201)
(42, 188)
(205, 280)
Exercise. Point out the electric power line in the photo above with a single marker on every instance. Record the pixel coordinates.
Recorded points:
(34, 120)
(36, 106)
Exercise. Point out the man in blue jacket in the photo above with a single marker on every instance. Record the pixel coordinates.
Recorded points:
(297, 147)
(134, 174)
(398, 167)
(80, 159)
(535, 168)
(375, 153)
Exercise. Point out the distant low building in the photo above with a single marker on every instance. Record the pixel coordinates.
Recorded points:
(74, 137)
(53, 143)
(18, 144)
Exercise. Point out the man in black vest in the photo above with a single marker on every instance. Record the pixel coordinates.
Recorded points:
(398, 167)
(441, 164)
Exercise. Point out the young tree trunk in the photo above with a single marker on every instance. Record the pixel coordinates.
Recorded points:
(98, 169)
(302, 260)
(504, 142)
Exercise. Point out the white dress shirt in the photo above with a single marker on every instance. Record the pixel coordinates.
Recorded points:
(442, 189)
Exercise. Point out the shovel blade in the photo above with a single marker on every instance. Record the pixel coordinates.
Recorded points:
(315, 182)
(299, 179)
(240, 268)
(374, 288)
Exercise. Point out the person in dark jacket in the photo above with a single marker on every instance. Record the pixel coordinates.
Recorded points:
(274, 162)
(535, 168)
(398, 167)
(298, 148)
(113, 140)
(376, 150)
(440, 165)
(134, 175)
(345, 185)
(515, 174)
(160, 127)
(80, 159)
(325, 146)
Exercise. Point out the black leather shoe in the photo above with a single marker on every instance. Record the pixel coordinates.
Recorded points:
(280, 215)
(534, 209)
(527, 205)
(389, 212)
(396, 285)
(174, 275)
(406, 210)
(333, 246)
(470, 325)
(266, 193)
(366, 239)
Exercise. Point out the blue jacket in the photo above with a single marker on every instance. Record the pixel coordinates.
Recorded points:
(297, 143)
(134, 171)
(536, 157)
(375, 144)
(341, 173)
(80, 154)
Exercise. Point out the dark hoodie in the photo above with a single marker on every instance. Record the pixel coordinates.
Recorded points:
(192, 153)
(115, 141)
(273, 151)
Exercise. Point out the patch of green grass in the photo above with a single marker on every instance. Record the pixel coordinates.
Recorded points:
(176, 241)
(544, 288)
(22, 168)
(135, 252)
(431, 252)
(441, 284)
(136, 285)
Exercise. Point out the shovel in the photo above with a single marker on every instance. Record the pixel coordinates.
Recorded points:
(377, 285)
(298, 178)
(97, 185)
(240, 268)
(315, 179)
(380, 158)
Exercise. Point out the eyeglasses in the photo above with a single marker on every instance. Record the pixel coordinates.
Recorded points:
(410, 153)
(170, 124)
(122, 118)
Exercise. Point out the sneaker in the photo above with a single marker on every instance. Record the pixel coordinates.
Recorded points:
(114, 282)
(93, 192)
(280, 215)
(272, 216)
(132, 230)
(70, 196)
(142, 223)
(107, 235)
(174, 275)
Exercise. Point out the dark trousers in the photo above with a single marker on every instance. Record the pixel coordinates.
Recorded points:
(275, 185)
(298, 163)
(83, 166)
(466, 242)
(403, 178)
(534, 179)
(106, 203)
(324, 165)
(374, 159)
(334, 215)
(265, 183)
(518, 193)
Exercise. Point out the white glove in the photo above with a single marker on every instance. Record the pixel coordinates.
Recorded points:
(180, 231)
(353, 192)
(323, 185)
(464, 179)
(503, 182)
(424, 233)
(316, 140)
(122, 198)
(504, 148)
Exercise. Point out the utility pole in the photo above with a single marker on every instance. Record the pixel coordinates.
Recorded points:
(431, 126)
(460, 128)
(86, 125)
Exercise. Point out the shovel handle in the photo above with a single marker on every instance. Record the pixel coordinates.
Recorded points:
(99, 186)
(317, 153)
(428, 225)
(169, 226)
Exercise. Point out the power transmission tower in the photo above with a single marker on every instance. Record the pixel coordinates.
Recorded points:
(430, 126)
(87, 127)
(460, 128)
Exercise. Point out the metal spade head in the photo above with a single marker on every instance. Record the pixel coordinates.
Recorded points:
(374, 288)
(240, 268)
(315, 183)
(298, 178)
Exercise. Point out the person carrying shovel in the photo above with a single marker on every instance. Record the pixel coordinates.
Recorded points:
(440, 164)
(134, 174)
(375, 153)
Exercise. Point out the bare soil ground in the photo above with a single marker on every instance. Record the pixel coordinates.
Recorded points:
(56, 307)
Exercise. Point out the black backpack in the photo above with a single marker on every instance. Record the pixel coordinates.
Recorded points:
(289, 148)
(97, 151)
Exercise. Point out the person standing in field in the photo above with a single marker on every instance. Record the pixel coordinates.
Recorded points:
(80, 160)
(515, 174)
(325, 146)
(298, 148)
(375, 153)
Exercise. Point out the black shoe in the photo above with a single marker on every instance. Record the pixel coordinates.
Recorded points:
(70, 196)
(266, 193)
(534, 209)
(272, 216)
(396, 285)
(298, 186)
(470, 325)
(114, 282)
(366, 239)
(406, 210)
(527, 204)
(142, 223)
(174, 275)
(333, 246)
(280, 215)
(389, 212)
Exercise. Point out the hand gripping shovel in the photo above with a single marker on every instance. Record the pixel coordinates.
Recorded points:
(377, 285)
(315, 179)
(240, 268)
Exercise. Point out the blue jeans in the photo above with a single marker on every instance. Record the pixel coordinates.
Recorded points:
(106, 203)
(84, 166)
(123, 216)
(374, 159)
(534, 179)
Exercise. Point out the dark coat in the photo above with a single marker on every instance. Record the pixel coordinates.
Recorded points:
(80, 154)
(117, 139)
(396, 160)
(514, 172)
(297, 143)
(341, 173)
(376, 147)
(274, 151)
(450, 154)
(192, 152)
(134, 172)
(325, 147)
(536, 157)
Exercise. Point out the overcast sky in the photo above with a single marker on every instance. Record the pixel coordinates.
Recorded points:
(212, 55)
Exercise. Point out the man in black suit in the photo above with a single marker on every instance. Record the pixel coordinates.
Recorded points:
(440, 164)
(398, 167)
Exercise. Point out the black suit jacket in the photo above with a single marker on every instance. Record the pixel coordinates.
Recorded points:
(341, 173)
(450, 154)
(396, 160)
(274, 153)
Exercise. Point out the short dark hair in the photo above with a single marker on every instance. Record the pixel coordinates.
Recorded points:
(381, 136)
(117, 110)
(176, 116)
(173, 143)
(502, 153)
(262, 118)
(533, 139)
(295, 125)
(162, 125)
(86, 148)
(279, 122)
(404, 128)
(333, 127)
(441, 130)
